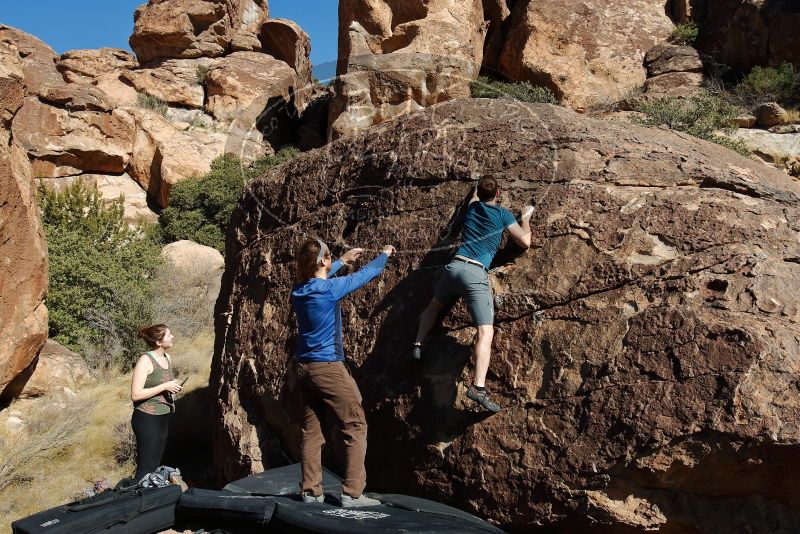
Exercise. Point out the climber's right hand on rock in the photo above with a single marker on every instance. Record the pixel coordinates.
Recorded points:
(527, 212)
(388, 250)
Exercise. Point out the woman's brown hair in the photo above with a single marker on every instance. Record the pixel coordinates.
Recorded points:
(152, 334)
(305, 258)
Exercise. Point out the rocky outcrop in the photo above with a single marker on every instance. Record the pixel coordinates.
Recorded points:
(36, 58)
(163, 155)
(23, 252)
(673, 70)
(286, 41)
(585, 52)
(398, 57)
(241, 86)
(190, 29)
(745, 33)
(177, 82)
(646, 344)
(87, 65)
(56, 368)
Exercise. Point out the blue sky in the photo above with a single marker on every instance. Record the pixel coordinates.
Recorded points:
(75, 24)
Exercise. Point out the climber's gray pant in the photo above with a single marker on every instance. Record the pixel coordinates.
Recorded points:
(461, 279)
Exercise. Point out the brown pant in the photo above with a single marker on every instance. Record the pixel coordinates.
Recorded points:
(328, 386)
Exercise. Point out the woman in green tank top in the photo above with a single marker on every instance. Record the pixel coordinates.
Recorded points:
(152, 387)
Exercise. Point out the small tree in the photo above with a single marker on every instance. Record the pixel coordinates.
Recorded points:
(200, 208)
(485, 87)
(100, 271)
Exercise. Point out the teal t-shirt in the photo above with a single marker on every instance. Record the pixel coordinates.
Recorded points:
(483, 231)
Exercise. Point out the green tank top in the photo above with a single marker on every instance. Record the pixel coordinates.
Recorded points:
(161, 404)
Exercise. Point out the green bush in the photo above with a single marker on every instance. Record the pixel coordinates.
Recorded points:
(768, 84)
(200, 208)
(702, 116)
(685, 33)
(201, 73)
(485, 87)
(100, 271)
(148, 101)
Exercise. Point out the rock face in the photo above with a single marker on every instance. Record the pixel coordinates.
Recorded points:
(57, 368)
(23, 252)
(194, 28)
(746, 33)
(646, 344)
(586, 52)
(397, 57)
(187, 256)
(286, 41)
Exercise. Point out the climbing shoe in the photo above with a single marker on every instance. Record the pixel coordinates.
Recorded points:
(310, 497)
(416, 354)
(482, 398)
(363, 500)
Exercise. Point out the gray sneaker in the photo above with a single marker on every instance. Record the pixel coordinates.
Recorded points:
(416, 354)
(350, 502)
(310, 497)
(482, 398)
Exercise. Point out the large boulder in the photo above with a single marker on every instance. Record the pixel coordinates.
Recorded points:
(84, 66)
(38, 60)
(174, 81)
(164, 155)
(585, 52)
(745, 33)
(64, 142)
(241, 86)
(23, 260)
(193, 28)
(187, 256)
(286, 41)
(398, 57)
(646, 347)
(56, 368)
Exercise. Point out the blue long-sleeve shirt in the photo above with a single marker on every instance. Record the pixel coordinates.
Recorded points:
(319, 318)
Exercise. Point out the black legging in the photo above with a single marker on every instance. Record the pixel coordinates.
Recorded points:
(151, 438)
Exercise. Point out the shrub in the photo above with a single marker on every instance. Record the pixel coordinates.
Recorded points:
(200, 208)
(703, 116)
(148, 101)
(100, 271)
(685, 33)
(768, 84)
(201, 73)
(485, 87)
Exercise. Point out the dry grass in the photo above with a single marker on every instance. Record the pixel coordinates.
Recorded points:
(69, 443)
(794, 115)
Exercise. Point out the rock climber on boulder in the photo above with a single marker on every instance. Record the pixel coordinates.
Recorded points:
(467, 276)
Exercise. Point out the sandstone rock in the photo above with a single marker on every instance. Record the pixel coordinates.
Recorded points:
(585, 52)
(12, 88)
(23, 272)
(37, 59)
(743, 34)
(398, 57)
(771, 114)
(495, 13)
(190, 256)
(57, 368)
(76, 97)
(137, 209)
(193, 28)
(245, 42)
(242, 85)
(665, 58)
(743, 121)
(675, 84)
(174, 81)
(163, 155)
(64, 143)
(771, 147)
(785, 128)
(87, 65)
(646, 342)
(286, 41)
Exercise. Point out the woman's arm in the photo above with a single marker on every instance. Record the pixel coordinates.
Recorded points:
(138, 392)
(344, 285)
